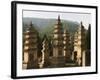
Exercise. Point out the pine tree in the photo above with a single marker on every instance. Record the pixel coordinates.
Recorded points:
(45, 52)
(89, 37)
(88, 47)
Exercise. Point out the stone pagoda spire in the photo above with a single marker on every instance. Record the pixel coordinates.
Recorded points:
(30, 48)
(58, 57)
(66, 42)
(58, 21)
(57, 38)
(79, 44)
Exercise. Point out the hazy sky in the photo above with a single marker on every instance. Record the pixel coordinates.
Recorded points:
(77, 17)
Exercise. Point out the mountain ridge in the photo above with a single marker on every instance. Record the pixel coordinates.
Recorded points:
(46, 26)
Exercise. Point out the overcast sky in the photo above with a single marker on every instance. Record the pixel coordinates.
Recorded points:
(77, 17)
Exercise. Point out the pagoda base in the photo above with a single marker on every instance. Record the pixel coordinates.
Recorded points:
(33, 65)
(58, 61)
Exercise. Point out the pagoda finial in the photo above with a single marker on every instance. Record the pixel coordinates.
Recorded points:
(58, 20)
(31, 24)
(58, 17)
(81, 23)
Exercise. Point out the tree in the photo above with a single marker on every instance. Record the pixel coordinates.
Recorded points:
(88, 47)
(45, 52)
(88, 38)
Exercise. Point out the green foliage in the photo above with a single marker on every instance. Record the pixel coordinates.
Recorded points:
(46, 26)
(88, 38)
